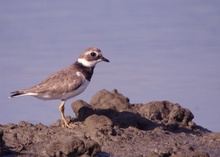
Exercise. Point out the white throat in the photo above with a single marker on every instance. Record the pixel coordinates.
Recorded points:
(87, 63)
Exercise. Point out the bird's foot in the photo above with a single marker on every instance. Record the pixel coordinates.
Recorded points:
(71, 126)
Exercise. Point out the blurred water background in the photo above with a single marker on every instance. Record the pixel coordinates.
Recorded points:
(159, 50)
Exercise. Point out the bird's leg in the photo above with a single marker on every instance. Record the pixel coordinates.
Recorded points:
(61, 109)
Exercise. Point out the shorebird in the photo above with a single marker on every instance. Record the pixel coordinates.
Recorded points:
(66, 83)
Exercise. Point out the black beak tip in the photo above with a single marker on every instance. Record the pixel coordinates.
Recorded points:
(105, 59)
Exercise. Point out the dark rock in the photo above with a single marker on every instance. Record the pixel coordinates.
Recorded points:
(1, 142)
(65, 146)
(111, 126)
(92, 148)
(81, 109)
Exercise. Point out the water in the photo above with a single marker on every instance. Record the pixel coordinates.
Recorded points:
(159, 50)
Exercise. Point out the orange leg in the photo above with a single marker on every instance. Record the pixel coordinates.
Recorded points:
(61, 109)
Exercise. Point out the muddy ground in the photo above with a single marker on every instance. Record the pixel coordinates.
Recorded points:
(111, 126)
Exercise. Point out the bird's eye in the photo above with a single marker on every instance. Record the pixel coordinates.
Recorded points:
(93, 54)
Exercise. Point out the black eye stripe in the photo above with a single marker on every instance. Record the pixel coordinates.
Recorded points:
(93, 54)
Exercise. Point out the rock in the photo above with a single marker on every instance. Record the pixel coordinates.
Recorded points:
(110, 100)
(92, 148)
(122, 119)
(101, 122)
(65, 146)
(98, 128)
(111, 126)
(171, 115)
(81, 109)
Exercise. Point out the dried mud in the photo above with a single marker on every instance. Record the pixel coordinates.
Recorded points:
(111, 126)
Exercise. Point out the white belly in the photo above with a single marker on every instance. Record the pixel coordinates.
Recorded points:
(75, 92)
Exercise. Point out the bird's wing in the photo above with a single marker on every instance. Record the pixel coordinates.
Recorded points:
(59, 83)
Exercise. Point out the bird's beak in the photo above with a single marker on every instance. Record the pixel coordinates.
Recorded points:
(104, 59)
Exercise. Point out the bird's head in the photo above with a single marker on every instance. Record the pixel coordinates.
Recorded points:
(91, 56)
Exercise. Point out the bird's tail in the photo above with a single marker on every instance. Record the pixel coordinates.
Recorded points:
(15, 94)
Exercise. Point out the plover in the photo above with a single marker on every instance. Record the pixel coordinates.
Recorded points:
(68, 82)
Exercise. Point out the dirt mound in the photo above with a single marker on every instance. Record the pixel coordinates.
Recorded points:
(111, 126)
